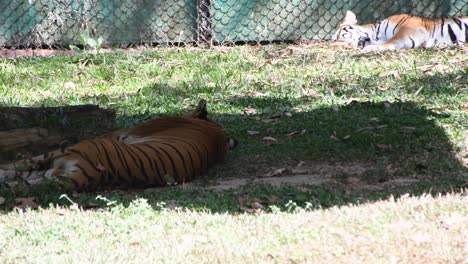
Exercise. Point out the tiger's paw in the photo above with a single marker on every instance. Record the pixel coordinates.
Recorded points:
(372, 48)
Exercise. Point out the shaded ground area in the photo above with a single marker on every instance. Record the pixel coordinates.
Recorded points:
(353, 175)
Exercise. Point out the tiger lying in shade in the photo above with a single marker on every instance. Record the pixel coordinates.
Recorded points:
(164, 149)
(403, 32)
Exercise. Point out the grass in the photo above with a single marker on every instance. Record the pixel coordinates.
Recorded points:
(410, 229)
(364, 122)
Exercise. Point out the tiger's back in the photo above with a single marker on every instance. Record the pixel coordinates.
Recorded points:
(403, 31)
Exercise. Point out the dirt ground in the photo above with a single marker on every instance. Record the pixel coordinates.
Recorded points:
(351, 174)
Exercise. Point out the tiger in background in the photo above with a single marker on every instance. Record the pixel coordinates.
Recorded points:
(403, 32)
(161, 150)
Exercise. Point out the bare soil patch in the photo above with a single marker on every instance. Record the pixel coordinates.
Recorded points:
(353, 175)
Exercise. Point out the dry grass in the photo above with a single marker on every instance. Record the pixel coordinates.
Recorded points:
(422, 229)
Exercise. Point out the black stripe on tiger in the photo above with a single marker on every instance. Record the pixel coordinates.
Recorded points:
(137, 162)
(143, 169)
(119, 148)
(452, 35)
(442, 27)
(412, 42)
(107, 158)
(174, 167)
(163, 165)
(466, 33)
(184, 163)
(458, 22)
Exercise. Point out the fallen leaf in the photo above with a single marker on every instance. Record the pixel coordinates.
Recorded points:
(248, 210)
(256, 204)
(27, 202)
(269, 139)
(176, 78)
(250, 111)
(260, 65)
(292, 133)
(253, 132)
(288, 114)
(395, 74)
(274, 173)
(69, 85)
(311, 93)
(426, 69)
(258, 94)
(2, 200)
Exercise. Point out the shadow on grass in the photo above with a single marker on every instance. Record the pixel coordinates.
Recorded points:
(401, 135)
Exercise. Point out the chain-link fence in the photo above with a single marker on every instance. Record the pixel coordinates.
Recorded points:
(33, 23)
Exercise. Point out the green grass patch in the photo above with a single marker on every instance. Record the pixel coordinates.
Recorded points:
(370, 126)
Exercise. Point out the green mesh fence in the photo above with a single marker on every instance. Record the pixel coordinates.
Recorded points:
(32, 23)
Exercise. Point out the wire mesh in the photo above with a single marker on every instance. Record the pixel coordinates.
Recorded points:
(51, 23)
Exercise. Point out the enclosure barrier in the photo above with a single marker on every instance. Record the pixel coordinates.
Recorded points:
(49, 23)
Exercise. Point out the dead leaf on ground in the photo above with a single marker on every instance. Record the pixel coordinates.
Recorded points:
(257, 204)
(260, 65)
(250, 111)
(253, 132)
(27, 202)
(394, 74)
(247, 210)
(273, 173)
(69, 85)
(258, 94)
(269, 140)
(269, 120)
(294, 133)
(311, 93)
(428, 69)
(2, 200)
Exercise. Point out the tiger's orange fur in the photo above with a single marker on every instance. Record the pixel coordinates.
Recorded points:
(162, 149)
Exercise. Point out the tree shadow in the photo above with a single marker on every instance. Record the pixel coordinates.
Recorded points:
(396, 141)
(400, 147)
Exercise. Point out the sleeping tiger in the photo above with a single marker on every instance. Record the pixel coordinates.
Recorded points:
(155, 153)
(403, 32)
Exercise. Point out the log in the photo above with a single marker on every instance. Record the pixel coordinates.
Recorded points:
(32, 131)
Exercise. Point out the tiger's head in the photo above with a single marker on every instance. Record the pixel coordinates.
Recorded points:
(352, 33)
